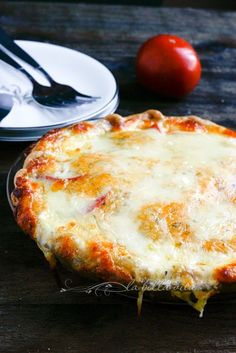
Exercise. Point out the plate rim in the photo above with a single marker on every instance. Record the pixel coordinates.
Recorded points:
(25, 138)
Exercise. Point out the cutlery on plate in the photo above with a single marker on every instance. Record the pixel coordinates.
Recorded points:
(6, 104)
(54, 96)
(57, 94)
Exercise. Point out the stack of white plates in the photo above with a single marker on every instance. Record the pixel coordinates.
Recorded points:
(27, 120)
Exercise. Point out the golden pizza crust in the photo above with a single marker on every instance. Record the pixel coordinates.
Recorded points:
(67, 163)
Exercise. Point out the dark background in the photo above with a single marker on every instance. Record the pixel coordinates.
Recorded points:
(207, 4)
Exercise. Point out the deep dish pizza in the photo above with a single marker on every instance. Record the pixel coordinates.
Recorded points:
(146, 198)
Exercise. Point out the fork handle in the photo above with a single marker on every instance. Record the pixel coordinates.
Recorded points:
(7, 59)
(7, 42)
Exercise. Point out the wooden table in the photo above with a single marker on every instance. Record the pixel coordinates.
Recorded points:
(34, 315)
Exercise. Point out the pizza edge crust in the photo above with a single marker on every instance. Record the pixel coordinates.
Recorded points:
(26, 195)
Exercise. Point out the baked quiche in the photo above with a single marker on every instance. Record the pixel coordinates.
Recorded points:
(141, 199)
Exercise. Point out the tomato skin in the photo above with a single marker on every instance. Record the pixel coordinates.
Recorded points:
(168, 65)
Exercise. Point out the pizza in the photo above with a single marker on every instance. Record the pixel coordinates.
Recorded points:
(143, 199)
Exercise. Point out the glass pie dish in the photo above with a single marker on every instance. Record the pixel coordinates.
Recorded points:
(69, 281)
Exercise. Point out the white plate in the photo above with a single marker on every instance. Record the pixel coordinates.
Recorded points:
(20, 135)
(67, 66)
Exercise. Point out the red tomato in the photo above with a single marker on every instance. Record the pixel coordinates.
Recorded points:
(168, 65)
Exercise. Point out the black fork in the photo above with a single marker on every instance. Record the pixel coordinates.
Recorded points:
(56, 95)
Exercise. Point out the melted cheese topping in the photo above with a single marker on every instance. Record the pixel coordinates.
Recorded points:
(166, 201)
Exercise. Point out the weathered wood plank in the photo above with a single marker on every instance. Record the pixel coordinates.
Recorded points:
(116, 328)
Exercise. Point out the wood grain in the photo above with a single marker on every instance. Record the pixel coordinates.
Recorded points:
(116, 328)
(31, 307)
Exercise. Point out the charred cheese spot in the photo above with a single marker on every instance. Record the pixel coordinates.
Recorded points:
(232, 243)
(91, 185)
(186, 276)
(130, 138)
(31, 196)
(66, 247)
(226, 274)
(65, 230)
(50, 140)
(40, 165)
(190, 124)
(90, 163)
(223, 246)
(116, 121)
(165, 220)
(216, 245)
(71, 153)
(147, 120)
(107, 259)
(216, 129)
(187, 280)
(81, 127)
(229, 133)
(151, 125)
